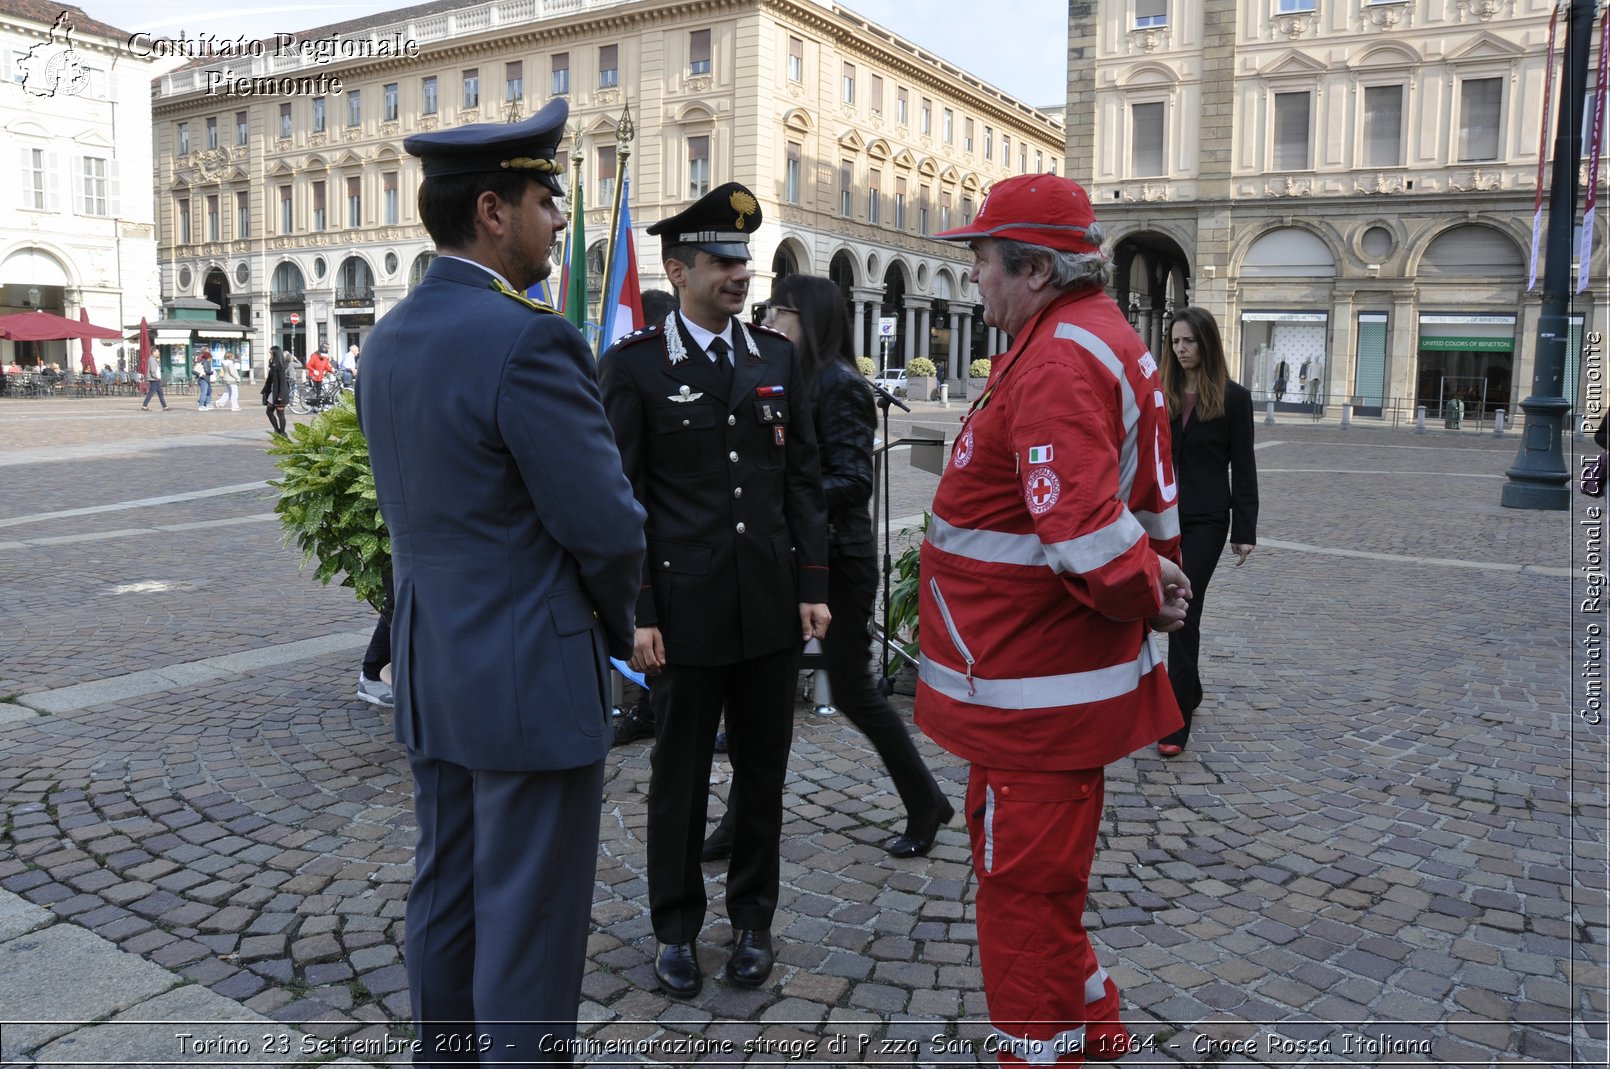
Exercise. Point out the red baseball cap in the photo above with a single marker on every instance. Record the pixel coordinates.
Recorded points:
(1040, 209)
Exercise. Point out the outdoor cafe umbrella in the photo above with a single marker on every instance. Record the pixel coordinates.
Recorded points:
(86, 359)
(47, 326)
(145, 345)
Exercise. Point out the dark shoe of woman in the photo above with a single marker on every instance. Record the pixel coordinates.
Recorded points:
(921, 831)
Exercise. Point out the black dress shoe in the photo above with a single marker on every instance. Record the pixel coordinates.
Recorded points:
(719, 844)
(635, 723)
(676, 969)
(751, 959)
(920, 833)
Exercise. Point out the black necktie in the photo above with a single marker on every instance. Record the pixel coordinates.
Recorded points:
(718, 353)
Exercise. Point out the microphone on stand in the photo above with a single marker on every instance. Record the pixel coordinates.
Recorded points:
(886, 398)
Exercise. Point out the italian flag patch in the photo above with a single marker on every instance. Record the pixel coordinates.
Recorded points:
(1039, 454)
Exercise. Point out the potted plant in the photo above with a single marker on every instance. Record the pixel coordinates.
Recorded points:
(977, 376)
(866, 367)
(922, 379)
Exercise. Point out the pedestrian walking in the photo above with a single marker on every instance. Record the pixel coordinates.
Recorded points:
(153, 384)
(229, 375)
(204, 382)
(277, 389)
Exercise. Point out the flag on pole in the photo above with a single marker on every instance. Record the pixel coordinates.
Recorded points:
(1543, 147)
(623, 304)
(1585, 249)
(575, 275)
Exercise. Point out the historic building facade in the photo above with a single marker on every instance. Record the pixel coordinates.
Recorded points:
(76, 231)
(294, 207)
(1348, 187)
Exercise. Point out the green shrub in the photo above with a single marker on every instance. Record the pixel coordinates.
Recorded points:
(903, 593)
(979, 369)
(327, 504)
(921, 366)
(865, 366)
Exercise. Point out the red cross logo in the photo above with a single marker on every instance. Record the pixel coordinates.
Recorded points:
(1042, 490)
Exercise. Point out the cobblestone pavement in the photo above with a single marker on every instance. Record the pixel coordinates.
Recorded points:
(1385, 845)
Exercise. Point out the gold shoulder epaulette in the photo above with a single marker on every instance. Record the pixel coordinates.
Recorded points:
(504, 288)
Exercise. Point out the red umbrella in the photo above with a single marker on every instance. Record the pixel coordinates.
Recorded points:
(145, 345)
(86, 359)
(47, 326)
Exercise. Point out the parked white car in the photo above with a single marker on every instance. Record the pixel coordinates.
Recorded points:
(893, 379)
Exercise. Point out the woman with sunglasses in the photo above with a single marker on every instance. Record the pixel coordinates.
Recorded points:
(810, 311)
(1210, 418)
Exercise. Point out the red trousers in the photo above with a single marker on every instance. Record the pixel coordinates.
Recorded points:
(1034, 837)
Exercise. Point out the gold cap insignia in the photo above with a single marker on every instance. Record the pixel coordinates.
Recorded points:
(744, 205)
(526, 163)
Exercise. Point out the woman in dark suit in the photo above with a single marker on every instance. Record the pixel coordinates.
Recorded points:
(1211, 421)
(277, 389)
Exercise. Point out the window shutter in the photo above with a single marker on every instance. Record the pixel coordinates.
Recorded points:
(25, 166)
(80, 205)
(113, 191)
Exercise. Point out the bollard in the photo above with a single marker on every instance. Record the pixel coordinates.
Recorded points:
(944, 395)
(1420, 420)
(1268, 413)
(1347, 415)
(1498, 423)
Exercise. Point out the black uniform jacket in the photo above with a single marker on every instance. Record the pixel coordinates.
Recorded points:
(1214, 464)
(845, 423)
(737, 525)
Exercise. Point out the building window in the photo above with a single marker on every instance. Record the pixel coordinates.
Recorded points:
(1022, 158)
(212, 133)
(243, 214)
(354, 202)
(427, 96)
(184, 222)
(240, 127)
(606, 174)
(944, 210)
(1293, 7)
(355, 108)
(874, 100)
(899, 203)
(1151, 13)
(33, 179)
(559, 80)
(609, 72)
(388, 189)
(1006, 152)
(318, 115)
(849, 83)
(846, 189)
(1480, 100)
(950, 127)
(902, 106)
(1291, 131)
(1039, 162)
(989, 143)
(927, 126)
(1383, 126)
(286, 217)
(514, 81)
(967, 136)
(285, 121)
(796, 60)
(791, 172)
(94, 189)
(698, 166)
(319, 218)
(472, 88)
(388, 102)
(874, 213)
(212, 217)
(967, 209)
(184, 139)
(699, 52)
(922, 212)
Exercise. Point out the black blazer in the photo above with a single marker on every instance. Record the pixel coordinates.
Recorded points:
(1214, 464)
(737, 525)
(845, 423)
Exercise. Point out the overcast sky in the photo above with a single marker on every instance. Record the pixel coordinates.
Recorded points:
(1019, 46)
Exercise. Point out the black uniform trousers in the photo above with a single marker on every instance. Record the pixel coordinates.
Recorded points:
(852, 584)
(1202, 540)
(758, 695)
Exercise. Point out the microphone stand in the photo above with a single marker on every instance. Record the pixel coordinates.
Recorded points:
(880, 496)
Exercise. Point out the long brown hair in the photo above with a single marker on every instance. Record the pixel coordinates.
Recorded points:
(1211, 375)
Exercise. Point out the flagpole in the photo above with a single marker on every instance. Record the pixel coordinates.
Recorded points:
(576, 242)
(624, 132)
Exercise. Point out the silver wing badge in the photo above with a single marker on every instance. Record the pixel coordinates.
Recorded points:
(683, 395)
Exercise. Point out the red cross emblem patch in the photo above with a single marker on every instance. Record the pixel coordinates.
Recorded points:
(1041, 490)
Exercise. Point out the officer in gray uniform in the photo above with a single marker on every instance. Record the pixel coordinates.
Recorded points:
(712, 419)
(516, 549)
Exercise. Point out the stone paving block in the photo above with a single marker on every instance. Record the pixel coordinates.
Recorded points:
(62, 974)
(18, 916)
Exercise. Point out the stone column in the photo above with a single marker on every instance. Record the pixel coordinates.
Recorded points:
(911, 330)
(858, 339)
(924, 335)
(961, 336)
(870, 300)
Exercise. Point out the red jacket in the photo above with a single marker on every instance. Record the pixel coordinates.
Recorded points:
(1039, 572)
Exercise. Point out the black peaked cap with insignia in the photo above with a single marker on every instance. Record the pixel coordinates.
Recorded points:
(530, 147)
(720, 223)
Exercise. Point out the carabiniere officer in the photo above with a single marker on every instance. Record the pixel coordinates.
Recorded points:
(711, 416)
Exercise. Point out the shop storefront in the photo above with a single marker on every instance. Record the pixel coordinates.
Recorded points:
(1284, 353)
(190, 326)
(1468, 357)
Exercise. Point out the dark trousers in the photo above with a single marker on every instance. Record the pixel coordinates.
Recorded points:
(758, 695)
(276, 417)
(852, 585)
(499, 912)
(378, 655)
(153, 388)
(1201, 545)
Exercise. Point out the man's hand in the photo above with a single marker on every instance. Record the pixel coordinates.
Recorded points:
(648, 651)
(813, 619)
(1242, 552)
(1176, 592)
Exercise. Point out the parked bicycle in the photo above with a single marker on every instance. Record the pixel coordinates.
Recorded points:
(316, 396)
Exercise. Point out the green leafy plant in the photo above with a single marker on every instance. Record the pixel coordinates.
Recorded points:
(865, 366)
(327, 504)
(921, 366)
(903, 592)
(979, 369)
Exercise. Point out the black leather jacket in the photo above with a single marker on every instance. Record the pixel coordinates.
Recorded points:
(845, 422)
